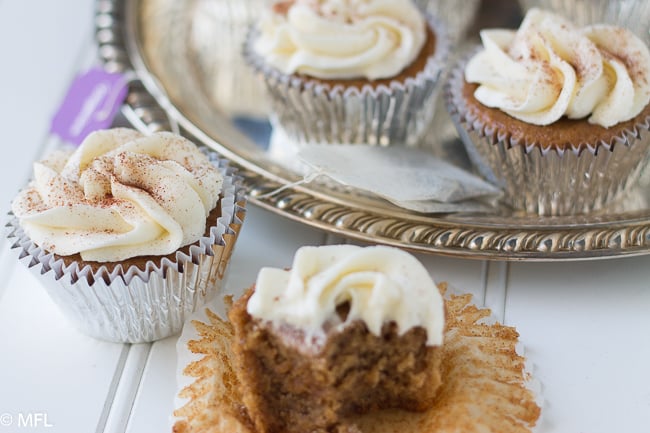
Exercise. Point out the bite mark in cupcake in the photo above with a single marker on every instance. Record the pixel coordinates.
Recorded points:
(273, 367)
(346, 331)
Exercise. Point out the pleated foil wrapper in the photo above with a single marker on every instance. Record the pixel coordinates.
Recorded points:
(316, 112)
(457, 16)
(552, 181)
(630, 14)
(132, 305)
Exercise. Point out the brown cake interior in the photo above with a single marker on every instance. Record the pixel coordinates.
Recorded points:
(289, 386)
(485, 387)
(561, 134)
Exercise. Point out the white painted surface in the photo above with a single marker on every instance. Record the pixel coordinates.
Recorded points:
(46, 365)
(586, 326)
(41, 44)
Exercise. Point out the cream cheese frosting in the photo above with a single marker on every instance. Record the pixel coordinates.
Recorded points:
(342, 39)
(119, 195)
(381, 284)
(550, 68)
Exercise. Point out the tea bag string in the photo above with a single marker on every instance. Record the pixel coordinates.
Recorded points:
(310, 177)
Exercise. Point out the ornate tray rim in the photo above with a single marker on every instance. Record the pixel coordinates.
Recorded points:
(531, 239)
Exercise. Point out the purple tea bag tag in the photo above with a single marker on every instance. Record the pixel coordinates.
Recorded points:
(92, 102)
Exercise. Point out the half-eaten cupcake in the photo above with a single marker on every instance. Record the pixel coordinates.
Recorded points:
(346, 331)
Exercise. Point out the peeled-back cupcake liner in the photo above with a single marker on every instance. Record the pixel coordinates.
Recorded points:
(132, 305)
(630, 14)
(316, 112)
(489, 384)
(549, 181)
(457, 16)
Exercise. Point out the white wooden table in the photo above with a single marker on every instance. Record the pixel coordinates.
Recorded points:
(585, 326)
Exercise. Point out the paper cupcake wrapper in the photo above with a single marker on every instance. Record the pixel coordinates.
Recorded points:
(311, 112)
(133, 305)
(458, 17)
(630, 14)
(487, 383)
(550, 181)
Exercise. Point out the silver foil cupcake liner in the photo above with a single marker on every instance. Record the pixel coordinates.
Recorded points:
(630, 14)
(458, 16)
(552, 181)
(315, 112)
(133, 305)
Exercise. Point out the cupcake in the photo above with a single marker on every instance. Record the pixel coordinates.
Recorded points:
(556, 115)
(349, 71)
(348, 330)
(351, 339)
(130, 233)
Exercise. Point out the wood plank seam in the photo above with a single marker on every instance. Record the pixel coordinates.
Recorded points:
(129, 388)
(495, 293)
(112, 389)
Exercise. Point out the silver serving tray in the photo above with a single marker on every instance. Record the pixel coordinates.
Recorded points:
(170, 90)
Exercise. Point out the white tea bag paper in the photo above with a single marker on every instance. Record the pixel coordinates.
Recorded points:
(409, 178)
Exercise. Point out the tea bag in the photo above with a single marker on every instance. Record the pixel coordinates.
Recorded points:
(408, 177)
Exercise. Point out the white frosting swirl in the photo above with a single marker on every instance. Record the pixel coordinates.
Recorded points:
(382, 284)
(120, 195)
(342, 39)
(549, 68)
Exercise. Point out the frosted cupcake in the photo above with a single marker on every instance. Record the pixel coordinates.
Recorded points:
(351, 339)
(349, 71)
(347, 331)
(129, 232)
(555, 114)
